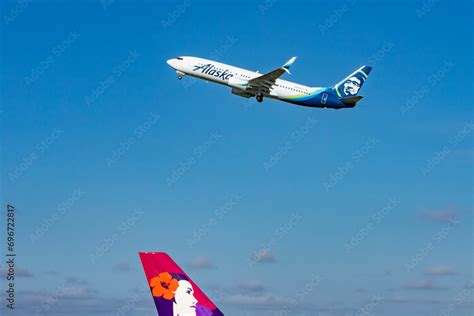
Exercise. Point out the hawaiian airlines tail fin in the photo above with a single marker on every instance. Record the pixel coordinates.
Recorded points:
(173, 291)
(350, 86)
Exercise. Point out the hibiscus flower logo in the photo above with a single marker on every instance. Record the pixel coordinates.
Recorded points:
(164, 286)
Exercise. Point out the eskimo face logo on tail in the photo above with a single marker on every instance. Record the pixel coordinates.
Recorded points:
(352, 86)
(211, 70)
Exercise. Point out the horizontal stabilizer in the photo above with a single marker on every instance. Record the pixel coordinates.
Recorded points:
(351, 100)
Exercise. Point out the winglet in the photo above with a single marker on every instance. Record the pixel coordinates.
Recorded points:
(288, 64)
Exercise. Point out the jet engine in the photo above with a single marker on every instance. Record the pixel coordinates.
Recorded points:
(241, 93)
(238, 83)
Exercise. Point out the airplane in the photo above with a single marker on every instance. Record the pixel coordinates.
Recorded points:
(173, 291)
(247, 84)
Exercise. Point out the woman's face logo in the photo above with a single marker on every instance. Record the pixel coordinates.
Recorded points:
(352, 86)
(184, 300)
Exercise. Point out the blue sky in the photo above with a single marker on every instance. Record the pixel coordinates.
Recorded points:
(105, 153)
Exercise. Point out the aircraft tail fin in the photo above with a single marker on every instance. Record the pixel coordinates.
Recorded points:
(351, 85)
(173, 290)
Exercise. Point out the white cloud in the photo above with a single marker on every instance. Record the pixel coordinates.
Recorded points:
(123, 267)
(422, 285)
(201, 263)
(440, 270)
(267, 300)
(442, 216)
(264, 256)
(19, 273)
(252, 286)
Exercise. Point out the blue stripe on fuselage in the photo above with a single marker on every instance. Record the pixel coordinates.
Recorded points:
(324, 97)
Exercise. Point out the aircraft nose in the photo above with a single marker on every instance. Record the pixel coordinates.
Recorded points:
(171, 62)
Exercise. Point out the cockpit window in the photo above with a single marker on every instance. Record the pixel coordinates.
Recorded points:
(179, 58)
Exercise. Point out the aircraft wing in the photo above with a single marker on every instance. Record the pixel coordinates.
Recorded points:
(265, 82)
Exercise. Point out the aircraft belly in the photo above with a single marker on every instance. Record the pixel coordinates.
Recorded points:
(315, 102)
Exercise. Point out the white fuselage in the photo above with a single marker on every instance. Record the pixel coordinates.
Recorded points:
(236, 77)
